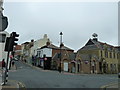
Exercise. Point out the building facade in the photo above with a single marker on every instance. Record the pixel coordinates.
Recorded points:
(17, 51)
(3, 35)
(45, 55)
(97, 57)
(26, 51)
(39, 43)
(67, 57)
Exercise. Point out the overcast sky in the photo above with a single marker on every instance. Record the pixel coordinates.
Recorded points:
(77, 20)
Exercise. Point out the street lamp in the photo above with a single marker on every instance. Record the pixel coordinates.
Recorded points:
(60, 69)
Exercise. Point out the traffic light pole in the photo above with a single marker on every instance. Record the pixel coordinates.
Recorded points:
(10, 63)
(6, 68)
(10, 42)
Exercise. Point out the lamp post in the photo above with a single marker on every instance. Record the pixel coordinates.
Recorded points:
(60, 68)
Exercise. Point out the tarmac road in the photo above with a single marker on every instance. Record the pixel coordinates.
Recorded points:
(38, 78)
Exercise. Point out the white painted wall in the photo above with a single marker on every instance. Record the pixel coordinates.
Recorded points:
(3, 54)
(39, 43)
(66, 66)
(46, 51)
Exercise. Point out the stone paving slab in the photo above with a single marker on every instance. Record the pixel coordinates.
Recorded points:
(11, 84)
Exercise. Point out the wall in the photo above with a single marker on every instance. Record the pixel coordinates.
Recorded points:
(3, 54)
(40, 43)
(110, 60)
(46, 51)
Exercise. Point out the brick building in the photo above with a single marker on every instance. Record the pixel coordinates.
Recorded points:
(67, 57)
(18, 51)
(49, 51)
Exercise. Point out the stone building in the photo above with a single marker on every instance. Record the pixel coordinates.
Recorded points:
(97, 57)
(118, 48)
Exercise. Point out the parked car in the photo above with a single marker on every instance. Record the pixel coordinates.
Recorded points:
(15, 59)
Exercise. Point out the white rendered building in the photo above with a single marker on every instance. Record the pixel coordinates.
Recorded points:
(3, 54)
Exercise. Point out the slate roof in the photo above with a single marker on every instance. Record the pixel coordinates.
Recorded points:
(85, 57)
(50, 46)
(66, 48)
(88, 57)
(92, 44)
(118, 48)
(55, 47)
(71, 56)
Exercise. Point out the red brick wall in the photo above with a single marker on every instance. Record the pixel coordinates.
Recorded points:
(54, 51)
(17, 47)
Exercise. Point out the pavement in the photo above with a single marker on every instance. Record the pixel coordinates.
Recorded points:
(112, 86)
(11, 84)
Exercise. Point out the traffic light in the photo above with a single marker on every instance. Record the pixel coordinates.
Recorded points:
(10, 41)
(7, 44)
(13, 36)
